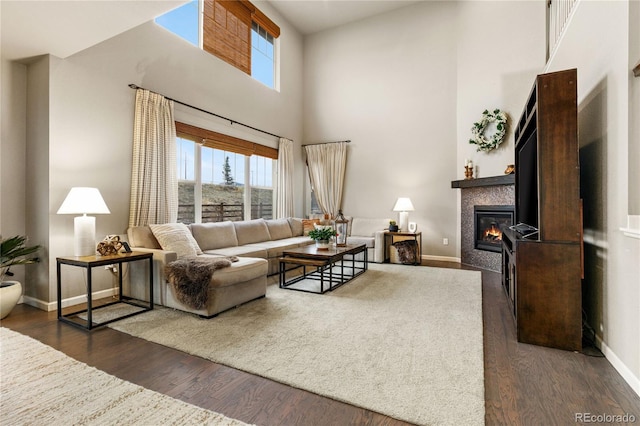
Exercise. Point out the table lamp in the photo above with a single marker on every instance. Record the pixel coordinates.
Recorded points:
(404, 206)
(84, 201)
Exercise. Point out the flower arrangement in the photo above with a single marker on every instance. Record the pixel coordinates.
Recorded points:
(488, 143)
(322, 233)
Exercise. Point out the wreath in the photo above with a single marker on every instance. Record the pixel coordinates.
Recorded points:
(488, 143)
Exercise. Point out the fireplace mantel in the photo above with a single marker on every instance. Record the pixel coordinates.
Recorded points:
(488, 181)
(489, 191)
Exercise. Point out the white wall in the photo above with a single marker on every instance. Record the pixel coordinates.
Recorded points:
(406, 87)
(597, 44)
(80, 125)
(388, 84)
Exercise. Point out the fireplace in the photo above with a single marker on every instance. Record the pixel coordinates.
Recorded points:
(488, 222)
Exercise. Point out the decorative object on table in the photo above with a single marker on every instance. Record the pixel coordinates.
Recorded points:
(84, 201)
(341, 229)
(111, 244)
(393, 226)
(413, 227)
(13, 251)
(479, 137)
(511, 168)
(322, 235)
(404, 206)
(468, 169)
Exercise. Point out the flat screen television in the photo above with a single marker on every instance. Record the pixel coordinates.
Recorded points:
(527, 181)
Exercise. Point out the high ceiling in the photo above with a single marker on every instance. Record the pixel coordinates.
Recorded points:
(310, 16)
(64, 27)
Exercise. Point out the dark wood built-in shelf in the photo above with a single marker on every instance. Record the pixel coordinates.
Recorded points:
(488, 181)
(541, 272)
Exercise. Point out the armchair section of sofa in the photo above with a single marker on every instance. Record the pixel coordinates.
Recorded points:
(369, 231)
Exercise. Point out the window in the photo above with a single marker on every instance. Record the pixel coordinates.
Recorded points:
(223, 178)
(262, 63)
(235, 31)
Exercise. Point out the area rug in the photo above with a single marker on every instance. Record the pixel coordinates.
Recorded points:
(404, 341)
(42, 386)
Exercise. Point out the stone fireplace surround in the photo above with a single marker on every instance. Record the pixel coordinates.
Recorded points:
(498, 191)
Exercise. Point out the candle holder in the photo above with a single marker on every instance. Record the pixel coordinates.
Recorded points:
(468, 172)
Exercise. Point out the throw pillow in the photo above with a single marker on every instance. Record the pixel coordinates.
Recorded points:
(176, 237)
(308, 225)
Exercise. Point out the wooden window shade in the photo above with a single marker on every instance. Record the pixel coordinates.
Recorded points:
(223, 142)
(227, 30)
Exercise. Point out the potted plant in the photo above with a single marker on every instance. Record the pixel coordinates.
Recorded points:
(393, 227)
(13, 251)
(322, 235)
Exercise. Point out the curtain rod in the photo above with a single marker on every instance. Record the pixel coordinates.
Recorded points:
(324, 143)
(133, 86)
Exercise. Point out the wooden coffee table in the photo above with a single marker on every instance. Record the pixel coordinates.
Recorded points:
(332, 268)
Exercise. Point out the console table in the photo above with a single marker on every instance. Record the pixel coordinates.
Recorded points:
(90, 262)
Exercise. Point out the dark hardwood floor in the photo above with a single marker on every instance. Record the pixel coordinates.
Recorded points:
(524, 384)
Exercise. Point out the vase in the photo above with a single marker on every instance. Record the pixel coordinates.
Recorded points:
(10, 292)
(322, 244)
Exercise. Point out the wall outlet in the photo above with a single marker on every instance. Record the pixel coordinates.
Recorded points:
(445, 241)
(112, 268)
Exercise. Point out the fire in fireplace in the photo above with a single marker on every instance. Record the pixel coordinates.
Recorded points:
(488, 223)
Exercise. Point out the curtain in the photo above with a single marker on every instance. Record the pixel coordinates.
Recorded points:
(154, 180)
(327, 165)
(284, 185)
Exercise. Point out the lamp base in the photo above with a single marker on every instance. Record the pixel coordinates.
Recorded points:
(403, 221)
(84, 235)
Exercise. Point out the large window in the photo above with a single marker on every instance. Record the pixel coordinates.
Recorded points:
(234, 31)
(218, 181)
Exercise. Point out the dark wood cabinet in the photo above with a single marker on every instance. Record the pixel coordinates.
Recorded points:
(542, 269)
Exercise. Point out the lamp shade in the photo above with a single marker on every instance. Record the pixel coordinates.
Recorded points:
(81, 200)
(403, 205)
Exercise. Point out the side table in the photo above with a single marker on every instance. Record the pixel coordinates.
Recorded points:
(90, 262)
(389, 238)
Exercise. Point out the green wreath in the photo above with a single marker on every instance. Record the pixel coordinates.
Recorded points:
(488, 143)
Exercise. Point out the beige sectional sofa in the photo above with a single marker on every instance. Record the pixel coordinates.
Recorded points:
(257, 243)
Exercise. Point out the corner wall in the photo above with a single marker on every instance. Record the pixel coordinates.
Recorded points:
(611, 290)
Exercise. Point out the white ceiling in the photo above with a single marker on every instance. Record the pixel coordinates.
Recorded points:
(62, 27)
(310, 16)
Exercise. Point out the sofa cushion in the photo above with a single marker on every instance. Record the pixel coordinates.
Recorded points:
(214, 235)
(367, 241)
(141, 236)
(279, 229)
(245, 269)
(296, 226)
(252, 231)
(242, 251)
(176, 237)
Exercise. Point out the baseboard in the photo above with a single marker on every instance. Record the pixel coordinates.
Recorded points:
(624, 371)
(72, 301)
(441, 258)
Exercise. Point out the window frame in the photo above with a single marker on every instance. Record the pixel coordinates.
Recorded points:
(214, 140)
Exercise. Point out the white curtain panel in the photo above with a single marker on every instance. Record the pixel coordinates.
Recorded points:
(327, 164)
(154, 180)
(284, 186)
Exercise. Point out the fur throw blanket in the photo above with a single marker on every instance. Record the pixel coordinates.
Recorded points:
(190, 277)
(407, 251)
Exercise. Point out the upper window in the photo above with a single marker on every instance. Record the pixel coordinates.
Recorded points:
(235, 31)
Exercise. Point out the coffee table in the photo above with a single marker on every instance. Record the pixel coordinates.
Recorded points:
(332, 268)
